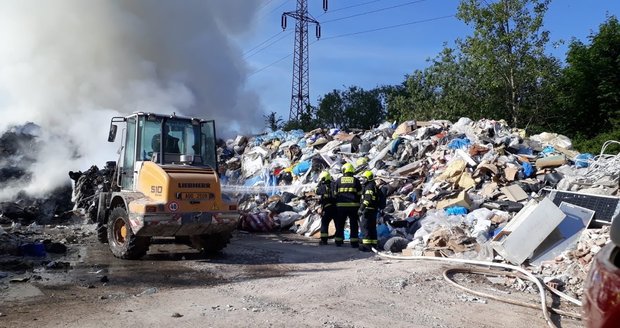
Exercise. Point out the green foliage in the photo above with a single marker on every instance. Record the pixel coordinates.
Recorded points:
(306, 122)
(591, 82)
(501, 71)
(593, 145)
(352, 108)
(273, 121)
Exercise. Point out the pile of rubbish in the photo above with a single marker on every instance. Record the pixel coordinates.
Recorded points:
(18, 147)
(472, 189)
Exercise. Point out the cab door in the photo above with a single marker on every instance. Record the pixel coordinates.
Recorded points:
(129, 155)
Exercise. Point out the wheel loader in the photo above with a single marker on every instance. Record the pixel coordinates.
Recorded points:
(165, 184)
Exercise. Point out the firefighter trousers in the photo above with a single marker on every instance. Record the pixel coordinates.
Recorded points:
(329, 213)
(351, 213)
(369, 228)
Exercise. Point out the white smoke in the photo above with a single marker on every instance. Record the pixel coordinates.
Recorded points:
(70, 65)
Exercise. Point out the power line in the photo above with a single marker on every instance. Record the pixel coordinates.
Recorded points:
(265, 4)
(278, 7)
(269, 65)
(374, 11)
(331, 11)
(260, 44)
(354, 33)
(387, 27)
(245, 54)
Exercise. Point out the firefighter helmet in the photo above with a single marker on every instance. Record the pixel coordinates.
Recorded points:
(368, 175)
(348, 168)
(325, 176)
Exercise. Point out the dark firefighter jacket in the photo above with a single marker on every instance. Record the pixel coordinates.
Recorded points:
(325, 189)
(370, 196)
(348, 191)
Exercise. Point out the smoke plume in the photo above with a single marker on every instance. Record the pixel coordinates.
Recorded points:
(69, 66)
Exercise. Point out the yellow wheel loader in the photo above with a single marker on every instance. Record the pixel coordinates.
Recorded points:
(165, 184)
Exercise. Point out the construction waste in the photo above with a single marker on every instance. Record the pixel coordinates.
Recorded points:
(473, 189)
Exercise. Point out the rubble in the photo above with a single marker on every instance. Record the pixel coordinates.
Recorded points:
(18, 147)
(452, 188)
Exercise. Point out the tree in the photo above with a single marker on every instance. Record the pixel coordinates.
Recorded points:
(306, 121)
(500, 71)
(591, 83)
(507, 52)
(352, 108)
(273, 121)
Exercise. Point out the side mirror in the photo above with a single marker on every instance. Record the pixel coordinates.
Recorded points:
(112, 134)
(615, 230)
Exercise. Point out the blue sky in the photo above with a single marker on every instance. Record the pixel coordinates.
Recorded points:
(339, 60)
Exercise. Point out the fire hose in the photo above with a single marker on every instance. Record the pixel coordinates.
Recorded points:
(523, 272)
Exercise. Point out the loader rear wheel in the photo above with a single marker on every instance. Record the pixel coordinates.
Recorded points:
(210, 244)
(123, 243)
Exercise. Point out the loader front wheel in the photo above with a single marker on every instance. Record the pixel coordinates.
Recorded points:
(121, 239)
(102, 233)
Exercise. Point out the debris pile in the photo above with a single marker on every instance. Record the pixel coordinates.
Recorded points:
(18, 147)
(472, 189)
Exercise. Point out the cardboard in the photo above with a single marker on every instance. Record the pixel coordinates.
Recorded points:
(405, 128)
(514, 193)
(462, 199)
(510, 173)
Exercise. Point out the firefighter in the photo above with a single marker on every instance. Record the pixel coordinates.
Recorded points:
(348, 191)
(368, 212)
(325, 189)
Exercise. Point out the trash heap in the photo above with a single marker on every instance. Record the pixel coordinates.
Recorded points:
(472, 189)
(18, 148)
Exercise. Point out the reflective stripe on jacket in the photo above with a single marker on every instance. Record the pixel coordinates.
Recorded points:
(370, 196)
(348, 191)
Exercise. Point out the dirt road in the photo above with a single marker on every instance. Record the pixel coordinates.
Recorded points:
(270, 280)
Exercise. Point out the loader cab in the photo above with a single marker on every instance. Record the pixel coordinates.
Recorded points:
(165, 140)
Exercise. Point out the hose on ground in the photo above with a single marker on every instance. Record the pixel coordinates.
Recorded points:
(531, 277)
(448, 272)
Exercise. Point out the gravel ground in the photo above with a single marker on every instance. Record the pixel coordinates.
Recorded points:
(260, 280)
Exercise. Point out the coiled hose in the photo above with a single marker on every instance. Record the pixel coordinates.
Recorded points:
(525, 273)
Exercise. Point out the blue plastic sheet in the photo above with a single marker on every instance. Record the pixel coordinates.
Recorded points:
(301, 168)
(528, 169)
(548, 150)
(456, 210)
(383, 230)
(583, 160)
(459, 143)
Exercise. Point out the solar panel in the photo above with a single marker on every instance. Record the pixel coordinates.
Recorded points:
(605, 207)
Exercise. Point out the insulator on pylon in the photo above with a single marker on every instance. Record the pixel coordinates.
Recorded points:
(284, 22)
(318, 31)
(324, 5)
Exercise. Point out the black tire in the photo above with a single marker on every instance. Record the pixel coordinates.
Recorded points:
(123, 243)
(102, 233)
(210, 244)
(102, 227)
